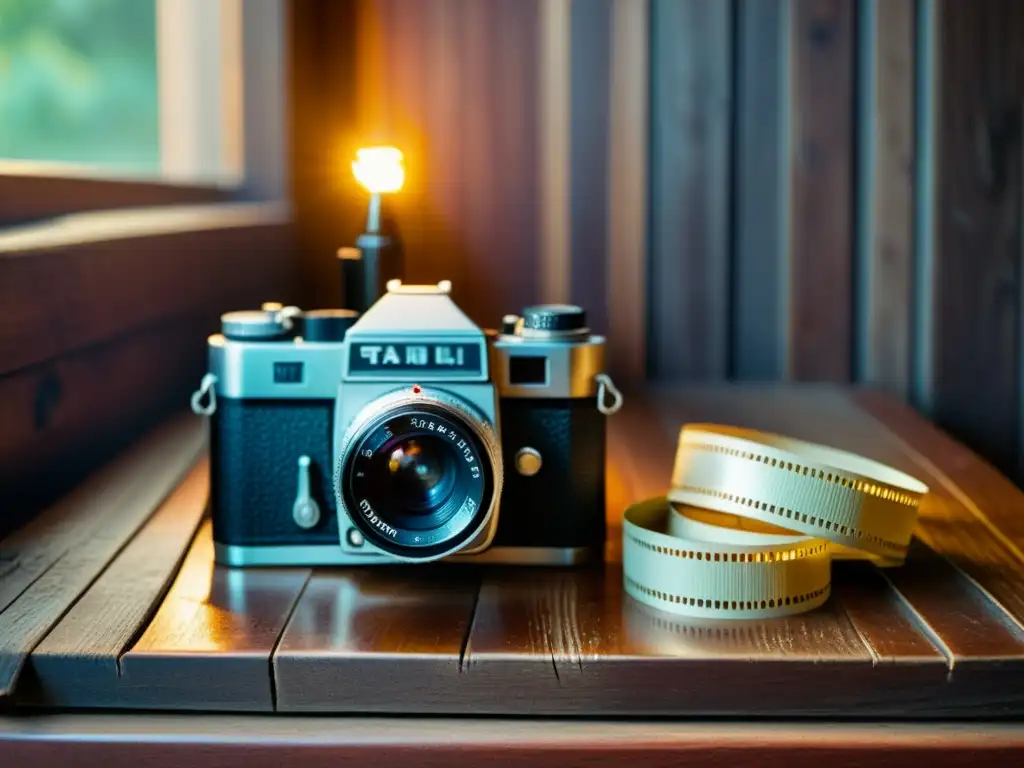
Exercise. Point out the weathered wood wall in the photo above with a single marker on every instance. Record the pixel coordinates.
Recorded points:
(814, 190)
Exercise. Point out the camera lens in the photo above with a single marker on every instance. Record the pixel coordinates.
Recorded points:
(421, 473)
(418, 477)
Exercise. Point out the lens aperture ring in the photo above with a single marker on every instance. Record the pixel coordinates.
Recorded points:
(442, 431)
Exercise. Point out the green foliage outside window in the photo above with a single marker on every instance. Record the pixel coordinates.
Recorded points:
(78, 82)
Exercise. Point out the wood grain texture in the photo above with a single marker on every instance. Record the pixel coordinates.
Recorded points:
(580, 646)
(143, 475)
(455, 85)
(554, 151)
(572, 642)
(590, 119)
(886, 624)
(203, 741)
(210, 643)
(58, 418)
(33, 191)
(821, 182)
(377, 640)
(626, 282)
(972, 517)
(921, 641)
(689, 165)
(974, 621)
(983, 643)
(975, 304)
(760, 311)
(886, 193)
(96, 276)
(328, 208)
(50, 562)
(77, 663)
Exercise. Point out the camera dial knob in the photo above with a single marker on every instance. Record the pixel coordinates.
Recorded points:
(327, 324)
(508, 324)
(557, 318)
(256, 325)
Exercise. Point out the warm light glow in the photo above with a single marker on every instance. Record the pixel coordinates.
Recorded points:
(379, 169)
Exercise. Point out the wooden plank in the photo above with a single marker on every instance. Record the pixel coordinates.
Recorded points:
(558, 642)
(32, 191)
(972, 518)
(76, 665)
(690, 139)
(973, 483)
(204, 741)
(761, 216)
(472, 178)
(378, 640)
(61, 418)
(626, 284)
(518, 78)
(975, 305)
(210, 643)
(947, 524)
(821, 182)
(140, 477)
(984, 645)
(886, 193)
(554, 136)
(888, 627)
(49, 563)
(324, 46)
(88, 278)
(590, 181)
(573, 643)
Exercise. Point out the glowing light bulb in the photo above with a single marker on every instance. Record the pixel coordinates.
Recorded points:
(379, 169)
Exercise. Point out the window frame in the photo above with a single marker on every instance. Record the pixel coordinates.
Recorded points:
(246, 43)
(112, 282)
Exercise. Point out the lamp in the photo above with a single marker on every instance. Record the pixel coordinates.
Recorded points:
(377, 255)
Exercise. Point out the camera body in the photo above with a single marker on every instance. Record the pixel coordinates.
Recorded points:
(407, 434)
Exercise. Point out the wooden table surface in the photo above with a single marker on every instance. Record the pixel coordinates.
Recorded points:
(110, 602)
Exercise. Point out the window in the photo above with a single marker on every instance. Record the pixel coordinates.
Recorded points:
(78, 83)
(139, 89)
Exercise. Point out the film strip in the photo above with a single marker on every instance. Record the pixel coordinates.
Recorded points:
(753, 520)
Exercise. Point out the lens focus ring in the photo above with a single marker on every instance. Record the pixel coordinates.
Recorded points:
(419, 473)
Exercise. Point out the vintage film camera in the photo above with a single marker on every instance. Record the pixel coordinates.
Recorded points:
(406, 435)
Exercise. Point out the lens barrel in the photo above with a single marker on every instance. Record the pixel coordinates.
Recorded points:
(419, 477)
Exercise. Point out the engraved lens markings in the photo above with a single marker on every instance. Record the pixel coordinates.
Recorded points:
(403, 526)
(467, 451)
(370, 515)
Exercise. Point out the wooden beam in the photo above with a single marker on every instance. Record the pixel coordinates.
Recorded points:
(31, 191)
(885, 169)
(821, 188)
(55, 558)
(626, 281)
(691, 92)
(555, 89)
(761, 216)
(89, 277)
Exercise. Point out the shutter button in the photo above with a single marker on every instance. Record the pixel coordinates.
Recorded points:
(528, 461)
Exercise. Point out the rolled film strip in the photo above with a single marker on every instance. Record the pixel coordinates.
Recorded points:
(753, 520)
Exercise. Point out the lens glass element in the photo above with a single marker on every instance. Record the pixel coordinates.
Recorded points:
(417, 480)
(421, 472)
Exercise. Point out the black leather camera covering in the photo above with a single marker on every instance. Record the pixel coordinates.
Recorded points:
(563, 505)
(256, 444)
(255, 447)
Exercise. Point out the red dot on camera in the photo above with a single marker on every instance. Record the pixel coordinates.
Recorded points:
(416, 389)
